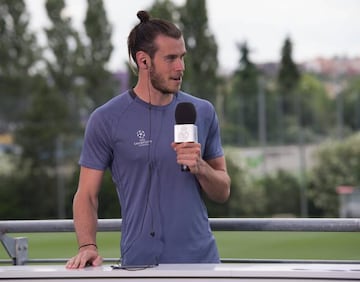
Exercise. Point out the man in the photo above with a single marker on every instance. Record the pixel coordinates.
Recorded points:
(164, 219)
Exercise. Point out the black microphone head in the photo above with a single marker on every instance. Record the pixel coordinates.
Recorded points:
(185, 113)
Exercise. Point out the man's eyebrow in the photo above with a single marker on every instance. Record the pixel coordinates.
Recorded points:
(170, 56)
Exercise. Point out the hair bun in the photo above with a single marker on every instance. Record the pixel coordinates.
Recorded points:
(143, 16)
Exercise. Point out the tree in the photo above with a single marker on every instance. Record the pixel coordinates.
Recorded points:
(100, 82)
(201, 61)
(99, 86)
(52, 116)
(66, 62)
(19, 53)
(37, 137)
(337, 163)
(166, 10)
(316, 117)
(288, 77)
(281, 194)
(42, 124)
(351, 95)
(287, 81)
(241, 106)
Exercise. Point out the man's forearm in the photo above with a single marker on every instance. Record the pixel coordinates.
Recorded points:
(85, 220)
(215, 183)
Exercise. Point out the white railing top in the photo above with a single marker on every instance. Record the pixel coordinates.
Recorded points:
(17, 248)
(217, 224)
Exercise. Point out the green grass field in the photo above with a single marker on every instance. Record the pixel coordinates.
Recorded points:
(243, 245)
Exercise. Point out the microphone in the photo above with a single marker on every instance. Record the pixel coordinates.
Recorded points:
(185, 129)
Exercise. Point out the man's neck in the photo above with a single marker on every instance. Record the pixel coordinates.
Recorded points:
(150, 96)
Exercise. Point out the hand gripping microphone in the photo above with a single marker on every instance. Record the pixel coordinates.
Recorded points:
(185, 129)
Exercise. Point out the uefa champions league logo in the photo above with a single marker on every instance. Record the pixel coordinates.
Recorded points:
(140, 134)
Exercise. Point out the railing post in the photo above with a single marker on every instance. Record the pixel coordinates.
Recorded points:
(21, 250)
(17, 248)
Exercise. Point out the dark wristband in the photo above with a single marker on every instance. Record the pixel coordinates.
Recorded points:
(90, 244)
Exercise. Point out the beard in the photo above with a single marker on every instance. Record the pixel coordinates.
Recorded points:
(160, 83)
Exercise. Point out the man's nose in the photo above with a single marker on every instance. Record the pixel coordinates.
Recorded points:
(180, 65)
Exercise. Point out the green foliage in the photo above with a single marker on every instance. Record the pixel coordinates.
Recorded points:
(201, 61)
(312, 115)
(43, 123)
(31, 190)
(28, 194)
(289, 75)
(65, 64)
(99, 31)
(253, 201)
(100, 83)
(273, 114)
(351, 97)
(19, 53)
(65, 46)
(233, 133)
(338, 163)
(315, 105)
(246, 76)
(164, 9)
(287, 82)
(282, 193)
(10, 197)
(48, 98)
(55, 112)
(100, 86)
(241, 105)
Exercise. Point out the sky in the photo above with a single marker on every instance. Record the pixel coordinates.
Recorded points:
(317, 28)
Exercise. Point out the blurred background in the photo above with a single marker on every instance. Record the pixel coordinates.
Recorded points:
(284, 77)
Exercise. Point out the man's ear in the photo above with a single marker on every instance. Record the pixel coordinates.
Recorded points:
(143, 59)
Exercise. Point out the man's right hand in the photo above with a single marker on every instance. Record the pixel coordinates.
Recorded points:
(85, 257)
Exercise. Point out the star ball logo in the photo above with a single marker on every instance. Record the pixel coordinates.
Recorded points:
(140, 134)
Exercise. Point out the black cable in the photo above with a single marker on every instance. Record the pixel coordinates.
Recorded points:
(150, 171)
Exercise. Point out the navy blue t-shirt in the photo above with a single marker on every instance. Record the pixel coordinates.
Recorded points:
(164, 219)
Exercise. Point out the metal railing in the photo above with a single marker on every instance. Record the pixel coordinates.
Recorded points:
(17, 247)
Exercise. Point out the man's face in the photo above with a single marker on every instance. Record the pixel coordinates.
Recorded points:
(167, 66)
